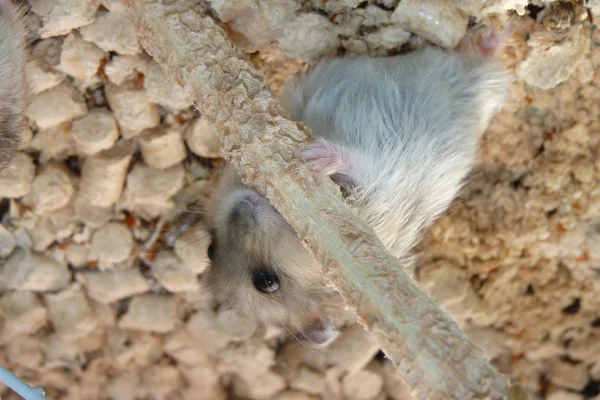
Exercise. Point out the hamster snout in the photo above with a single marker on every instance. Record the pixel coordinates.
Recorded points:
(250, 211)
(397, 134)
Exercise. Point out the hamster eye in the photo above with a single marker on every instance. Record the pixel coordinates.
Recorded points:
(265, 282)
(212, 248)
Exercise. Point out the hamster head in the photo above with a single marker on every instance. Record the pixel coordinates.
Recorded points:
(260, 267)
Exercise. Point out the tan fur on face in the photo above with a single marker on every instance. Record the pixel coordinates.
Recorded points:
(261, 239)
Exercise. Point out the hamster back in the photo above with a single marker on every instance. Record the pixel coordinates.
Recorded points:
(405, 130)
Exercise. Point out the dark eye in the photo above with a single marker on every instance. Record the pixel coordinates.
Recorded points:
(212, 248)
(265, 282)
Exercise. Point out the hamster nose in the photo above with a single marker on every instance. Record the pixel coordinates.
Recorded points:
(241, 211)
(253, 198)
(244, 212)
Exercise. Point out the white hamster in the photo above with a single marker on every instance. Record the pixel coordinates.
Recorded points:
(12, 80)
(398, 134)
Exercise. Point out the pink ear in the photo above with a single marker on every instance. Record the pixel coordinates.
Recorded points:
(318, 334)
(327, 158)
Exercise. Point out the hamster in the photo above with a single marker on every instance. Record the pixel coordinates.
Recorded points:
(12, 80)
(398, 134)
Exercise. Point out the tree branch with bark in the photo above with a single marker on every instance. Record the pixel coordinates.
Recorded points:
(431, 353)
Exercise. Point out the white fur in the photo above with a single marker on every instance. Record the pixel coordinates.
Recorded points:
(411, 126)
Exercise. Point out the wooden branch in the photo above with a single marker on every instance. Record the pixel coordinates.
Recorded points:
(432, 354)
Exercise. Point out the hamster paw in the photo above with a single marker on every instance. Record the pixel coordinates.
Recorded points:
(478, 42)
(326, 158)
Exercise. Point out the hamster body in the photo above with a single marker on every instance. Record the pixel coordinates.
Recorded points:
(12, 80)
(398, 134)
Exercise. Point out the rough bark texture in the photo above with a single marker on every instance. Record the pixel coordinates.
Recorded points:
(431, 353)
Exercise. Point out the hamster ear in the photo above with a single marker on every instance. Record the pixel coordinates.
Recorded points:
(318, 334)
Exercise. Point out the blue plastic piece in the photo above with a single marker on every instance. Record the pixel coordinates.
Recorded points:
(20, 387)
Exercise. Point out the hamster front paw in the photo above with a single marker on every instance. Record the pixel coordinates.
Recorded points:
(326, 158)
